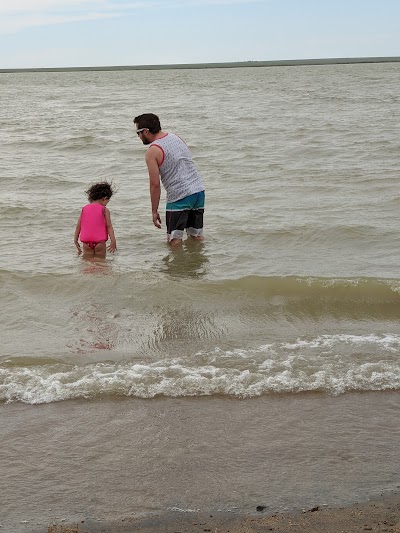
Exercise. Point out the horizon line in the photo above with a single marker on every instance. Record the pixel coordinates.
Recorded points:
(227, 64)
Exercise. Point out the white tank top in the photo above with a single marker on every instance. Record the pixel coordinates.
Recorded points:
(177, 171)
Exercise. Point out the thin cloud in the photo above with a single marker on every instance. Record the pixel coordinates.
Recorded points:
(51, 6)
(46, 6)
(18, 15)
(218, 2)
(14, 24)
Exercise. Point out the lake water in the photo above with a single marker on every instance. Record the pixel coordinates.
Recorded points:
(294, 296)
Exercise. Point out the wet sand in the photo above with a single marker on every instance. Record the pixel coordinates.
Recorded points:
(201, 464)
(380, 515)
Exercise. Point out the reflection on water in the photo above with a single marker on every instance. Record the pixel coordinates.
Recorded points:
(96, 265)
(95, 325)
(188, 260)
(105, 319)
(96, 328)
(189, 324)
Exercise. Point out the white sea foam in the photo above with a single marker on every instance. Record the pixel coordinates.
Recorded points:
(389, 342)
(183, 510)
(304, 365)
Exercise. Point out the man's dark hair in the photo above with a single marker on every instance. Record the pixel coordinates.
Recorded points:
(149, 121)
(98, 191)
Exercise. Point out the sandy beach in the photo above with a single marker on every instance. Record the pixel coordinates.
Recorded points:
(379, 515)
(202, 464)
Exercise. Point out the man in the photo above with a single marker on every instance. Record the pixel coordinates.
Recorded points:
(168, 157)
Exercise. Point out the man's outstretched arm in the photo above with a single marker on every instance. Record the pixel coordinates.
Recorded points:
(155, 188)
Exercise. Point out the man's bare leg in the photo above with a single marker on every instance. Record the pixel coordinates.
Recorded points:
(175, 242)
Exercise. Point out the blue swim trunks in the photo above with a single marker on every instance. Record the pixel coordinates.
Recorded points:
(194, 201)
(186, 214)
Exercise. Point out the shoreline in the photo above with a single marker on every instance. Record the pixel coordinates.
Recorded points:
(116, 465)
(233, 64)
(378, 515)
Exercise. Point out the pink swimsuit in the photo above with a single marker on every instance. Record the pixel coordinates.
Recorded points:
(93, 225)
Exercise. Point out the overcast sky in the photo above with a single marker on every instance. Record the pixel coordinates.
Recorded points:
(67, 33)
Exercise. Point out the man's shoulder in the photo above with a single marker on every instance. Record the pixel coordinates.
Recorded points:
(168, 135)
(178, 139)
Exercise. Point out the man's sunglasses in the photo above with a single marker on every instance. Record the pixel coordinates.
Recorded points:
(140, 131)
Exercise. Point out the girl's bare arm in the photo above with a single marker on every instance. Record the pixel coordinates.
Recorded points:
(113, 245)
(76, 237)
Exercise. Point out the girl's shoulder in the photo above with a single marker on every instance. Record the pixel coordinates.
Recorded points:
(92, 205)
(93, 208)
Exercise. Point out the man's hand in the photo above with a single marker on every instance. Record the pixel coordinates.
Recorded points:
(156, 220)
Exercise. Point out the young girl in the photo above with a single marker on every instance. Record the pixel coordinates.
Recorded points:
(94, 225)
